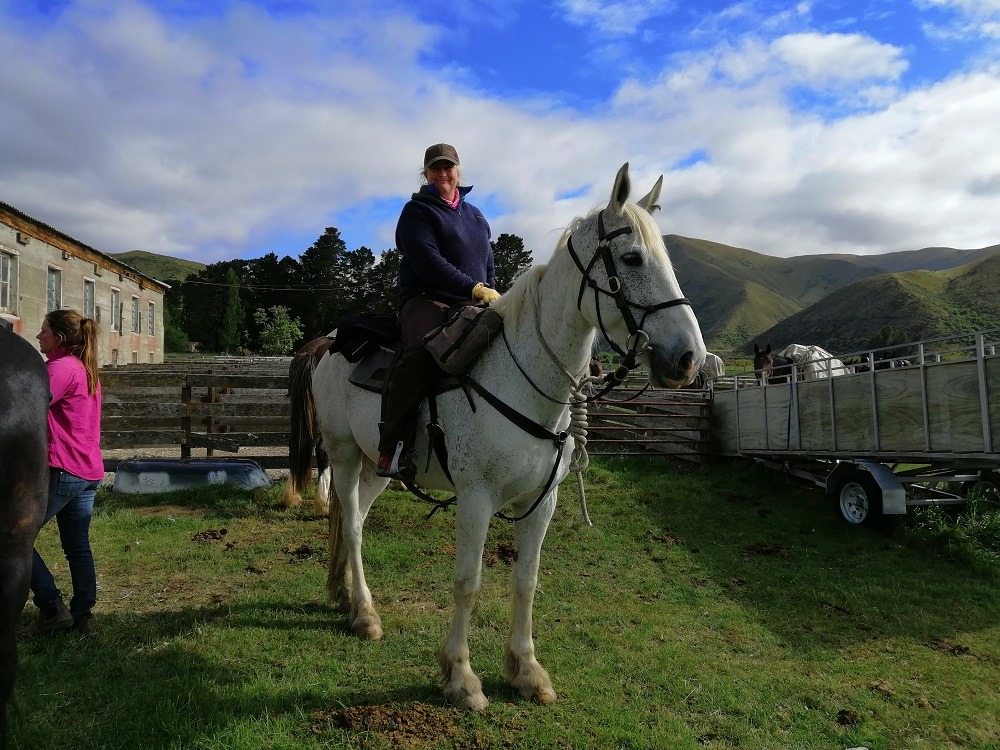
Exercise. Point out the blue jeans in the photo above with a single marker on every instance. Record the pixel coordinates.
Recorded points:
(71, 501)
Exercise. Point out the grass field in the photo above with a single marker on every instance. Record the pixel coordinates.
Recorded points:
(706, 608)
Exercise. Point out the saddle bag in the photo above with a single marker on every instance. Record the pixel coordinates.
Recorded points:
(466, 334)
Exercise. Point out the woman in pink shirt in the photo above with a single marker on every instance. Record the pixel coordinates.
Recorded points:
(76, 469)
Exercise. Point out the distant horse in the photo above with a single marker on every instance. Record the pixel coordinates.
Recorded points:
(815, 363)
(24, 484)
(883, 364)
(305, 438)
(770, 368)
(713, 369)
(509, 442)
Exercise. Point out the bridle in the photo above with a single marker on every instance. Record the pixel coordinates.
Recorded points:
(763, 373)
(638, 339)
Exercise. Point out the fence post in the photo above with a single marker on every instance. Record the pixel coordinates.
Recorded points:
(186, 420)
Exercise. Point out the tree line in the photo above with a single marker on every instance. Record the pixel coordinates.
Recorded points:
(273, 305)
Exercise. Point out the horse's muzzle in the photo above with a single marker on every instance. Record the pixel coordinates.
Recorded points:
(671, 372)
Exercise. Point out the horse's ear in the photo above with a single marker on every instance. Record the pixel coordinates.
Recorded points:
(621, 190)
(768, 350)
(756, 349)
(649, 202)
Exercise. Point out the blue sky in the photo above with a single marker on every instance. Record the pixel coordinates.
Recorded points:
(212, 130)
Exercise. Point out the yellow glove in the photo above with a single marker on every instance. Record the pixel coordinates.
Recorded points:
(482, 292)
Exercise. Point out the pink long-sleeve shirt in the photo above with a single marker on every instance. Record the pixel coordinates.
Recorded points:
(74, 418)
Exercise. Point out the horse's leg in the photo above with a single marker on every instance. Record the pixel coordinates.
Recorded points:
(321, 503)
(521, 669)
(461, 685)
(292, 497)
(356, 486)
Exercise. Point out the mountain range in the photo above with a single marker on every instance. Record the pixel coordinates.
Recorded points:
(838, 302)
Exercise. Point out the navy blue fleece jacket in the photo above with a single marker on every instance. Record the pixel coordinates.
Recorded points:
(444, 251)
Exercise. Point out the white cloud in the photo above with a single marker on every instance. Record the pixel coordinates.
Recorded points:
(616, 18)
(849, 57)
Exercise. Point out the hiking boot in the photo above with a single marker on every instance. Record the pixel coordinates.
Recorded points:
(395, 465)
(53, 621)
(84, 624)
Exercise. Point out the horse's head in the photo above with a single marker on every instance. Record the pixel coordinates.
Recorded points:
(637, 303)
(762, 363)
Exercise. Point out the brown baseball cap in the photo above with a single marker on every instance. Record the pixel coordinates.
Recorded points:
(440, 152)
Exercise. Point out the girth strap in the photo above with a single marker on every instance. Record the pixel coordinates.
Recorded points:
(532, 428)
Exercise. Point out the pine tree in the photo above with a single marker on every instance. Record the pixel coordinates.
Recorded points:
(509, 259)
(231, 332)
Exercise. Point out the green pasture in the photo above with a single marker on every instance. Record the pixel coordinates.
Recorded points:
(719, 607)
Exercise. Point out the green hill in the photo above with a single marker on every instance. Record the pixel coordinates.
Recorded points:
(921, 304)
(161, 267)
(738, 293)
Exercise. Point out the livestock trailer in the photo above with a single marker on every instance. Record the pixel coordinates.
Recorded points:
(908, 425)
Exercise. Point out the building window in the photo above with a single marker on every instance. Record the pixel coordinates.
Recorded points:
(90, 299)
(116, 310)
(53, 290)
(150, 328)
(8, 283)
(135, 317)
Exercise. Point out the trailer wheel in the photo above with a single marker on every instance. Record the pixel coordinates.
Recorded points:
(859, 498)
(985, 490)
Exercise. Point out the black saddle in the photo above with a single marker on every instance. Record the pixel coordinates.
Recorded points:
(371, 341)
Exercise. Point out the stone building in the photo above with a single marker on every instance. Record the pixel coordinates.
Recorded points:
(42, 269)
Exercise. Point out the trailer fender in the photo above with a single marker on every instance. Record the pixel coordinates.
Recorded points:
(893, 493)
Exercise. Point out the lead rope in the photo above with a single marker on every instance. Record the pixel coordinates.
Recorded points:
(579, 459)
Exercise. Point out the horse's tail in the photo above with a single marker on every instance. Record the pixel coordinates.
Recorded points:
(305, 431)
(338, 575)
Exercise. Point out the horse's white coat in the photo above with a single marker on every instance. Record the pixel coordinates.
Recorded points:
(814, 363)
(713, 368)
(496, 465)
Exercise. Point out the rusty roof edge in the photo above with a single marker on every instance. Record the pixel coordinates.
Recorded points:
(107, 256)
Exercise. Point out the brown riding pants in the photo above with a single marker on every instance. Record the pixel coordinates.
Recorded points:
(413, 374)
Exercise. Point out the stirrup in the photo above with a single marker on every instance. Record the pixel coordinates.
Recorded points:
(395, 466)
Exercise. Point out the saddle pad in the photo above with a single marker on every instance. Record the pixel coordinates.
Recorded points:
(370, 373)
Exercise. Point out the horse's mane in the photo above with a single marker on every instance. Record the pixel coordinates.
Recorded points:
(524, 291)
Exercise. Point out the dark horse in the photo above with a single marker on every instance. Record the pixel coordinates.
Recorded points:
(24, 483)
(771, 368)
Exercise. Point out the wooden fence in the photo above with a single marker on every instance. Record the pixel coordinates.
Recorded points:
(241, 408)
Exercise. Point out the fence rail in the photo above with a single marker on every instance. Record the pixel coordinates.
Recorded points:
(199, 409)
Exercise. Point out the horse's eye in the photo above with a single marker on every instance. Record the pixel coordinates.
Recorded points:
(632, 258)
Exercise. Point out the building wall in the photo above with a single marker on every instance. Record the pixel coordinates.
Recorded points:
(42, 266)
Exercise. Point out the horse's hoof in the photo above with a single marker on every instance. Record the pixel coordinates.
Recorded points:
(468, 701)
(368, 628)
(545, 696)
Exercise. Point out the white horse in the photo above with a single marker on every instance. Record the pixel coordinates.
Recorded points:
(610, 272)
(713, 368)
(814, 363)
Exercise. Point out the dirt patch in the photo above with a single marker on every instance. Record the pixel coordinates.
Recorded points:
(209, 535)
(410, 726)
(504, 553)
